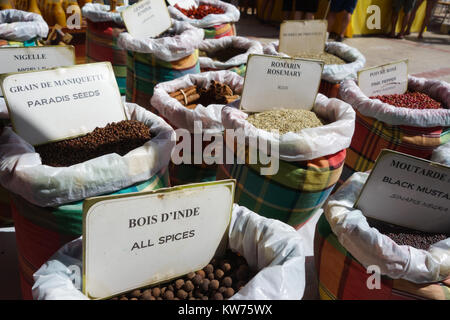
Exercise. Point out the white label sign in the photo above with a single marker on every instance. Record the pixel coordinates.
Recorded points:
(386, 79)
(183, 4)
(303, 36)
(163, 234)
(57, 104)
(35, 58)
(147, 18)
(408, 192)
(280, 83)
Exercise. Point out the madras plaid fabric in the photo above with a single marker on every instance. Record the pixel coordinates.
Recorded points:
(329, 89)
(342, 277)
(101, 45)
(28, 43)
(191, 173)
(219, 31)
(145, 71)
(240, 70)
(40, 232)
(293, 194)
(371, 136)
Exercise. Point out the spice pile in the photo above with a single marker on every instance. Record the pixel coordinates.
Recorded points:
(200, 12)
(410, 100)
(405, 236)
(285, 120)
(120, 138)
(219, 280)
(224, 54)
(327, 58)
(216, 93)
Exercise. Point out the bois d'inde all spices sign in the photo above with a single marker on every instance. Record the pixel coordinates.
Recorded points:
(57, 104)
(409, 192)
(164, 234)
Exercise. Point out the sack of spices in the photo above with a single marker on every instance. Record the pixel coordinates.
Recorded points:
(310, 159)
(272, 250)
(103, 29)
(21, 26)
(151, 61)
(47, 199)
(341, 62)
(414, 265)
(216, 18)
(228, 53)
(196, 98)
(415, 123)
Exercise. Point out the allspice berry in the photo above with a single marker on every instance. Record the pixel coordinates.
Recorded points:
(179, 283)
(182, 294)
(211, 276)
(188, 286)
(201, 273)
(168, 295)
(209, 268)
(156, 292)
(214, 285)
(190, 275)
(205, 298)
(226, 267)
(227, 281)
(205, 284)
(229, 292)
(218, 296)
(123, 298)
(147, 295)
(135, 293)
(197, 280)
(222, 289)
(219, 274)
(133, 298)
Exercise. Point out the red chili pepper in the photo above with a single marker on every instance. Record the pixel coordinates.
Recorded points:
(410, 100)
(199, 13)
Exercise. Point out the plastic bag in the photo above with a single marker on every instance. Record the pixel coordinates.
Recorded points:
(269, 246)
(19, 25)
(97, 12)
(22, 171)
(436, 89)
(442, 154)
(231, 14)
(182, 117)
(184, 43)
(310, 143)
(334, 73)
(4, 114)
(370, 247)
(212, 45)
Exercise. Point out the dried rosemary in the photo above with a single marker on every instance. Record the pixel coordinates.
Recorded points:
(285, 120)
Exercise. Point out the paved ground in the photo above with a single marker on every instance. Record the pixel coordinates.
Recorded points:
(429, 58)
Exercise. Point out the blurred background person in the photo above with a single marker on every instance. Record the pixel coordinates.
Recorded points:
(304, 9)
(429, 9)
(397, 5)
(337, 6)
